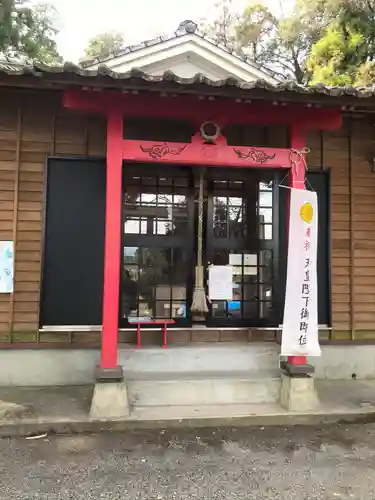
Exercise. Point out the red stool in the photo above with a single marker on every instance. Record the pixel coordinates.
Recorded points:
(163, 324)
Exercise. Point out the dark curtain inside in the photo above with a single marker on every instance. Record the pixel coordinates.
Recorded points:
(73, 266)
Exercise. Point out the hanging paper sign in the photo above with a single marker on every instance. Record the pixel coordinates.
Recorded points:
(300, 326)
(220, 283)
(6, 266)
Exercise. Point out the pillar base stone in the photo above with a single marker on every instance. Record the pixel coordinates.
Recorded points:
(109, 401)
(109, 374)
(298, 393)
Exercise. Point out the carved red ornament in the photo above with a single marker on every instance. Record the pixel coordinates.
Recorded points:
(158, 151)
(198, 153)
(257, 155)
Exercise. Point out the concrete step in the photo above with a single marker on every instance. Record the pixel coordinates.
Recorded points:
(215, 358)
(203, 389)
(259, 412)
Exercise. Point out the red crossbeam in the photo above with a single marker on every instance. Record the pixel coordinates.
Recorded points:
(197, 152)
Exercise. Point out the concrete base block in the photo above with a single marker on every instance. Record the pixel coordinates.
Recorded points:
(11, 410)
(298, 393)
(109, 401)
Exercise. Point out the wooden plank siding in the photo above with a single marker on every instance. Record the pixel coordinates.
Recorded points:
(30, 128)
(34, 124)
(349, 153)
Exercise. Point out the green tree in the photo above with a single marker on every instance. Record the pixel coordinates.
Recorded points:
(281, 44)
(103, 44)
(365, 75)
(327, 41)
(295, 36)
(255, 30)
(334, 58)
(221, 26)
(345, 53)
(28, 32)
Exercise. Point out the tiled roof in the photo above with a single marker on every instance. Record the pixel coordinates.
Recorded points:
(9, 67)
(103, 76)
(185, 28)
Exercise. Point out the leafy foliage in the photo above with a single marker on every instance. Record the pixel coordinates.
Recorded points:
(344, 54)
(296, 35)
(28, 32)
(365, 75)
(282, 44)
(328, 41)
(104, 44)
(254, 31)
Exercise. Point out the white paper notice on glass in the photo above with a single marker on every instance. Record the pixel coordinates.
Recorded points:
(220, 284)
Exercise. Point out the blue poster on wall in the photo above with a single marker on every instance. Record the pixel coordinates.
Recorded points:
(6, 266)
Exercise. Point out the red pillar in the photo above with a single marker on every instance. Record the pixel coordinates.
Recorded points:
(112, 241)
(297, 181)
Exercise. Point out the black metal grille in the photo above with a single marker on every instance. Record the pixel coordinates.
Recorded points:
(159, 252)
(157, 240)
(161, 277)
(243, 236)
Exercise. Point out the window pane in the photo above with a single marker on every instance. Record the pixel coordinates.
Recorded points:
(265, 199)
(130, 254)
(159, 206)
(265, 231)
(159, 277)
(132, 226)
(265, 215)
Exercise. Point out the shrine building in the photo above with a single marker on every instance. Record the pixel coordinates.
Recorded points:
(119, 177)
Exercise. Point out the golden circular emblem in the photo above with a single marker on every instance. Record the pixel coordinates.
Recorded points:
(306, 212)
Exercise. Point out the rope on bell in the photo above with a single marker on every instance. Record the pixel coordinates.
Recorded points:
(199, 303)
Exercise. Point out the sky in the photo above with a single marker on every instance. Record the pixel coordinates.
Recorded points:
(137, 20)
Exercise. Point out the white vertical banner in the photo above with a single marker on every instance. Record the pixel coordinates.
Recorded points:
(300, 336)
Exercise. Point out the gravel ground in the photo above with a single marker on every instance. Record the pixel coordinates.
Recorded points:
(294, 463)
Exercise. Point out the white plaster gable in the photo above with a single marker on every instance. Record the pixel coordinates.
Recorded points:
(186, 55)
(187, 65)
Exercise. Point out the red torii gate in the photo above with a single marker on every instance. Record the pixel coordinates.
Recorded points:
(116, 105)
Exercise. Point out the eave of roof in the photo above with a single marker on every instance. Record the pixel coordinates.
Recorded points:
(68, 74)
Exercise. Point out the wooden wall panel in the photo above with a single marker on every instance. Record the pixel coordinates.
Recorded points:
(37, 138)
(32, 127)
(363, 259)
(71, 134)
(333, 154)
(348, 154)
(336, 157)
(315, 145)
(9, 164)
(96, 136)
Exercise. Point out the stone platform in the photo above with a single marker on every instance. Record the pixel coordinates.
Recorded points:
(73, 366)
(66, 409)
